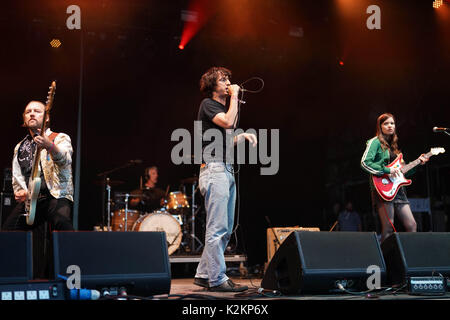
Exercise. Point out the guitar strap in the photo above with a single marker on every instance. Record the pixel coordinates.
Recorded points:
(387, 217)
(52, 136)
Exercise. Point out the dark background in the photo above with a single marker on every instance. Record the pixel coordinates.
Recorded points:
(137, 87)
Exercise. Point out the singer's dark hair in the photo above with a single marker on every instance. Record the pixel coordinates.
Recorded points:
(387, 142)
(208, 81)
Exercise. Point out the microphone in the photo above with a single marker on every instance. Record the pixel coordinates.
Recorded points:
(84, 294)
(137, 161)
(240, 88)
(437, 129)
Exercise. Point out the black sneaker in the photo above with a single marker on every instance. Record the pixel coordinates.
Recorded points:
(228, 286)
(201, 282)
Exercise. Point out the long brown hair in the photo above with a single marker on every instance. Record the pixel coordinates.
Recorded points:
(385, 144)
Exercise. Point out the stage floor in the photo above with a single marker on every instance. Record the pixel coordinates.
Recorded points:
(185, 288)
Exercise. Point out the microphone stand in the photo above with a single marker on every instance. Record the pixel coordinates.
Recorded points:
(107, 190)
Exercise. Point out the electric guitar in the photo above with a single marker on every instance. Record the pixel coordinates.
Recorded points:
(34, 183)
(387, 186)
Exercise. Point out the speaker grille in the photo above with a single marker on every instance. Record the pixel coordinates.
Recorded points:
(136, 260)
(339, 250)
(426, 249)
(16, 258)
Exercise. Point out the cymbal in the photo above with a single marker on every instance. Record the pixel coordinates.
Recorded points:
(111, 182)
(190, 180)
(129, 195)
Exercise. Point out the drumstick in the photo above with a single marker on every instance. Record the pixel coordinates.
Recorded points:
(167, 190)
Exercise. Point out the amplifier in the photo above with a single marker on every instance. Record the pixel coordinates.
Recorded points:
(276, 236)
(427, 285)
(33, 290)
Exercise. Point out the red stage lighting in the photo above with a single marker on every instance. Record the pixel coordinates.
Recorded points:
(199, 11)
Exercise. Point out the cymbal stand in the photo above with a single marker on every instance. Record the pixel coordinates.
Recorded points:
(126, 211)
(193, 207)
(108, 191)
(108, 209)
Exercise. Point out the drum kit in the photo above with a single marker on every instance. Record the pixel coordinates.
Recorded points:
(156, 210)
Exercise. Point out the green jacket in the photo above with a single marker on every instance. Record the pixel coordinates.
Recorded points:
(375, 159)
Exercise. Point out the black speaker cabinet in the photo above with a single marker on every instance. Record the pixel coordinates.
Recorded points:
(315, 261)
(16, 258)
(412, 254)
(138, 261)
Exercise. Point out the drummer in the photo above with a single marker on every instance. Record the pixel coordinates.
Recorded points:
(150, 197)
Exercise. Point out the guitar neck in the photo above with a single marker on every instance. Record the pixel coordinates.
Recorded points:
(414, 163)
(37, 154)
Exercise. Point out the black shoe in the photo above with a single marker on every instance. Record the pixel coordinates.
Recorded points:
(201, 282)
(228, 286)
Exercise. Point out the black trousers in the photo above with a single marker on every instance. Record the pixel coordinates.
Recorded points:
(49, 209)
(51, 214)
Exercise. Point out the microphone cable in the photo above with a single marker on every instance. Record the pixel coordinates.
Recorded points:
(236, 172)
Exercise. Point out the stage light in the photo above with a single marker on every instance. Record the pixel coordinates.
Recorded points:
(55, 43)
(189, 16)
(437, 4)
(341, 63)
(194, 18)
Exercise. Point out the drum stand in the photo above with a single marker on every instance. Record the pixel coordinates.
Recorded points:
(108, 191)
(126, 195)
(194, 213)
(126, 211)
(108, 209)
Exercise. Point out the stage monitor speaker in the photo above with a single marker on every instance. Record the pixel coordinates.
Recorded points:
(16, 258)
(137, 261)
(317, 261)
(413, 254)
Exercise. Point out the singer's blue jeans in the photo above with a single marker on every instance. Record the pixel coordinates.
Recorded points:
(218, 187)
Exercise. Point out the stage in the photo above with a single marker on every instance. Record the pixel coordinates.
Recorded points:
(184, 288)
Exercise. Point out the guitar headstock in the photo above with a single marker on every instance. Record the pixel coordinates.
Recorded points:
(50, 96)
(436, 151)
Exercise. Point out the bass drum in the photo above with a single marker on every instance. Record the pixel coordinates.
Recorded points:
(161, 221)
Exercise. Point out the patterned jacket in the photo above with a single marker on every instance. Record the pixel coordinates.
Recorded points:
(57, 170)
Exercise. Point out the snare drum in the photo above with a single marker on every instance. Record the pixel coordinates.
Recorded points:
(177, 200)
(118, 219)
(161, 221)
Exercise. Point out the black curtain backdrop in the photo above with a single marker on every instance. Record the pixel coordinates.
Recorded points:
(138, 87)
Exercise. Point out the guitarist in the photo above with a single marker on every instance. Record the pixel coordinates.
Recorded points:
(56, 194)
(380, 151)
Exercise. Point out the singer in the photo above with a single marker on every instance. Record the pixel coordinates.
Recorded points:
(216, 179)
(380, 151)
